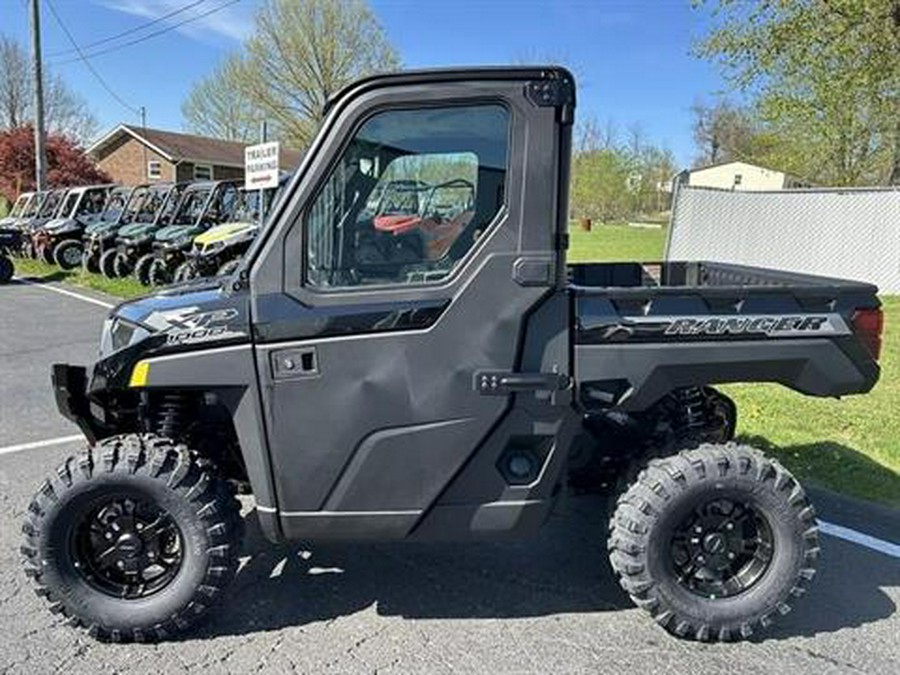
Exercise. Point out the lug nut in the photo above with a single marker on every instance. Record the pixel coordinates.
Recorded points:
(729, 526)
(731, 556)
(698, 529)
(120, 565)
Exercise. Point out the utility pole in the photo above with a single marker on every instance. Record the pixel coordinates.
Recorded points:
(144, 145)
(40, 152)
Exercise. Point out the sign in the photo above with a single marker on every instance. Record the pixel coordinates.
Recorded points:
(261, 166)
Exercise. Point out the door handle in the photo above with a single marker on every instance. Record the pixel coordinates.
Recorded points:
(294, 362)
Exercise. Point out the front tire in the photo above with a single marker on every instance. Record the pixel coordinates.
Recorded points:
(714, 542)
(90, 261)
(7, 269)
(133, 539)
(107, 263)
(67, 254)
(122, 265)
(142, 268)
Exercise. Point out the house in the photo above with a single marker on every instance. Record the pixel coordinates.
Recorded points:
(741, 176)
(131, 155)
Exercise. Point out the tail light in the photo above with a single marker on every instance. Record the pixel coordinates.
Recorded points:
(868, 324)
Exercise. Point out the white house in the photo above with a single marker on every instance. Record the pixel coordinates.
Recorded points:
(741, 176)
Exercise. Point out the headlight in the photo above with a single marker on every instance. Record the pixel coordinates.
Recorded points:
(213, 247)
(119, 333)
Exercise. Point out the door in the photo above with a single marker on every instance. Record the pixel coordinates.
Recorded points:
(410, 270)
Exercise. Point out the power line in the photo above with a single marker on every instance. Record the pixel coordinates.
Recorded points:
(134, 29)
(154, 33)
(87, 63)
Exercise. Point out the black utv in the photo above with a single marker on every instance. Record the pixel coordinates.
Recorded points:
(441, 395)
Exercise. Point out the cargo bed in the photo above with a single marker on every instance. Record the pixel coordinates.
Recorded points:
(642, 330)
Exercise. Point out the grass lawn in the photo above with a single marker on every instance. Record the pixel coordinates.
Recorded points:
(851, 445)
(123, 288)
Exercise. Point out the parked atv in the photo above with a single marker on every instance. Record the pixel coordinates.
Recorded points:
(218, 251)
(10, 241)
(18, 209)
(135, 241)
(59, 240)
(49, 208)
(202, 206)
(100, 236)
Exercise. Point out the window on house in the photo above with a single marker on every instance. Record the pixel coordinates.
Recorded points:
(154, 169)
(203, 172)
(738, 179)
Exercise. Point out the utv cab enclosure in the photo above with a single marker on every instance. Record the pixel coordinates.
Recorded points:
(443, 379)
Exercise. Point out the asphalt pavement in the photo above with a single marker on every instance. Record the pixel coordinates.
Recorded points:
(549, 605)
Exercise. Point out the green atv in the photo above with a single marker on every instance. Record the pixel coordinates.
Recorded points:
(218, 251)
(202, 206)
(135, 240)
(100, 236)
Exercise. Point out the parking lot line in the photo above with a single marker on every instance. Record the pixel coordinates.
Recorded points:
(860, 538)
(71, 294)
(9, 449)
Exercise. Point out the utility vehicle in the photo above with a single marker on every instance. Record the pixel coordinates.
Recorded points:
(48, 207)
(203, 205)
(100, 236)
(20, 207)
(135, 241)
(218, 251)
(59, 240)
(441, 397)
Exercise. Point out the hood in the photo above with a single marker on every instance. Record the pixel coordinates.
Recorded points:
(190, 316)
(100, 227)
(174, 232)
(223, 232)
(136, 230)
(62, 224)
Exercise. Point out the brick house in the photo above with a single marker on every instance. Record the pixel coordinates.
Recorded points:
(131, 155)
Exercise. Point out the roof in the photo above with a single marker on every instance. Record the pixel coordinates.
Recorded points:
(178, 147)
(716, 165)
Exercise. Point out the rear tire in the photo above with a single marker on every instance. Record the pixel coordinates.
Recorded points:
(185, 272)
(122, 265)
(67, 254)
(132, 540)
(7, 269)
(708, 583)
(45, 254)
(142, 268)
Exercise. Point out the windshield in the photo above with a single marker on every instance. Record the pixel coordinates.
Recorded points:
(68, 208)
(115, 204)
(20, 205)
(34, 205)
(247, 208)
(154, 199)
(51, 204)
(134, 205)
(170, 205)
(191, 206)
(92, 202)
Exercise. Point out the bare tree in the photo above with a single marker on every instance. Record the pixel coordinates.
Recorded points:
(218, 106)
(722, 132)
(303, 51)
(65, 112)
(591, 135)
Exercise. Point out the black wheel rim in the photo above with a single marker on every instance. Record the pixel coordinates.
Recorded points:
(127, 548)
(722, 548)
(71, 256)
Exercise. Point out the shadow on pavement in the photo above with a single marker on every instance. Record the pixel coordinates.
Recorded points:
(564, 570)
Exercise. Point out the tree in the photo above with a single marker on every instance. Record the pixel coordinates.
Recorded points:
(724, 132)
(64, 111)
(826, 78)
(217, 106)
(67, 164)
(299, 54)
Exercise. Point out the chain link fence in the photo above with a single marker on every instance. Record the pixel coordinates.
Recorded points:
(848, 233)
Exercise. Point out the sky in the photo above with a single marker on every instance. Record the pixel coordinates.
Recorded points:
(631, 57)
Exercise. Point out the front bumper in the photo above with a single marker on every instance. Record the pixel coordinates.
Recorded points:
(70, 391)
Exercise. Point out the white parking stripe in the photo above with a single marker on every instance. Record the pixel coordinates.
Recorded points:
(63, 291)
(860, 538)
(9, 449)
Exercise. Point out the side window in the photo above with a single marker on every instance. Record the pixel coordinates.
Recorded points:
(409, 197)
